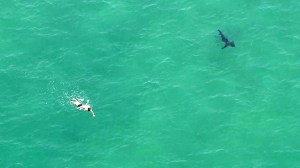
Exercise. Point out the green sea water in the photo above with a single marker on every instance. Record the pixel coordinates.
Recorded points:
(164, 93)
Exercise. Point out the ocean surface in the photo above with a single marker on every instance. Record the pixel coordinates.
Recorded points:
(164, 93)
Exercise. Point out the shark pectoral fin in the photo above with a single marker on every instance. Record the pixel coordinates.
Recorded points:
(225, 46)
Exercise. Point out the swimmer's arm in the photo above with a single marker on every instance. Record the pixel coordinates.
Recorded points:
(93, 113)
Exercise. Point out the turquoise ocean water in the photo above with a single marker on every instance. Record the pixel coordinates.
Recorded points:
(164, 93)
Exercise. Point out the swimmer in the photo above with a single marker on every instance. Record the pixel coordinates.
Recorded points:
(80, 106)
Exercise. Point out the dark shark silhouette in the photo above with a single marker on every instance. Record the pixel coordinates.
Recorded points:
(226, 41)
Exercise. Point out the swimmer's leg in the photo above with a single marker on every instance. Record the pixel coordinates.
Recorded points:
(75, 102)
